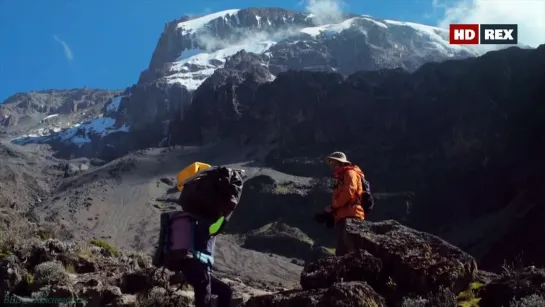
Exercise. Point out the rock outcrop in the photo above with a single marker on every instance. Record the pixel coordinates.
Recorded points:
(522, 284)
(399, 266)
(86, 274)
(395, 266)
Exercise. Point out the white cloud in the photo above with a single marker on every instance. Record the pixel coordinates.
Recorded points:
(528, 14)
(325, 11)
(67, 51)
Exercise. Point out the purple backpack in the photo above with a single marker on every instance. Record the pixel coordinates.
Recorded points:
(176, 240)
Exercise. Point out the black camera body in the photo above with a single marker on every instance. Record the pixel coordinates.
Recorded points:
(325, 218)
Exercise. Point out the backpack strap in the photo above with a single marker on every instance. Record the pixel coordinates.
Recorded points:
(204, 257)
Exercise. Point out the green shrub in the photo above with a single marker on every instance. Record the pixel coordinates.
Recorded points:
(107, 246)
(44, 235)
(29, 279)
(51, 272)
(470, 296)
(283, 190)
(70, 268)
(84, 251)
(159, 206)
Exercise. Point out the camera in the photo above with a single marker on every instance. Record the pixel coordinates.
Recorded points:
(325, 218)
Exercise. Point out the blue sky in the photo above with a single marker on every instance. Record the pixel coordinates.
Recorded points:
(107, 43)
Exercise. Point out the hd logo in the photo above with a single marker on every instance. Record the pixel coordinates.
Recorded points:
(484, 34)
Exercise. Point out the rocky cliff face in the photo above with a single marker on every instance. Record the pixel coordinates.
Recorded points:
(47, 112)
(191, 51)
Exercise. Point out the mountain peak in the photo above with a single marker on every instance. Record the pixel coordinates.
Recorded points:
(188, 52)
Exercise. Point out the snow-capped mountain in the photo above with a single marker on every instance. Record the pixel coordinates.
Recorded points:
(272, 40)
(189, 51)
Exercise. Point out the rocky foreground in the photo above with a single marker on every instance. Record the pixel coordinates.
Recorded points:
(396, 266)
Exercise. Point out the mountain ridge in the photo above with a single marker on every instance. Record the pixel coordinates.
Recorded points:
(231, 26)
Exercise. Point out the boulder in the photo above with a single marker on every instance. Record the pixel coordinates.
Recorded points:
(417, 261)
(134, 282)
(319, 252)
(514, 285)
(127, 300)
(11, 275)
(353, 294)
(358, 266)
(392, 261)
(280, 239)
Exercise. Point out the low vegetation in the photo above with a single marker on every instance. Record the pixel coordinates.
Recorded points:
(533, 300)
(107, 246)
(84, 251)
(281, 189)
(470, 296)
(70, 268)
(331, 250)
(159, 206)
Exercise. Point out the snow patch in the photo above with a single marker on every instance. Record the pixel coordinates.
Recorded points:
(101, 126)
(42, 132)
(191, 26)
(258, 18)
(378, 23)
(114, 105)
(329, 29)
(78, 134)
(208, 63)
(186, 54)
(191, 80)
(438, 36)
(50, 116)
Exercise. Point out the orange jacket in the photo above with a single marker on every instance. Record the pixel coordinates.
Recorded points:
(347, 194)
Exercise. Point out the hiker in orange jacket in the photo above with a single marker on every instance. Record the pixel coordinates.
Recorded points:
(346, 205)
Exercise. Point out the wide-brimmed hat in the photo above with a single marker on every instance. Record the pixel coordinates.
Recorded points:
(338, 156)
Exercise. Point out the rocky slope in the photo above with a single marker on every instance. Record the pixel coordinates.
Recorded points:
(26, 177)
(396, 266)
(42, 113)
